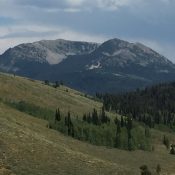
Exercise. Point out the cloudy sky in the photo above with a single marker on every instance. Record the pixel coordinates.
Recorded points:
(151, 22)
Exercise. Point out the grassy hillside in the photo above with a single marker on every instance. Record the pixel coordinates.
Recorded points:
(31, 91)
(27, 146)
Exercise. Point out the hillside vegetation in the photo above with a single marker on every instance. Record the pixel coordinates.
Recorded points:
(28, 146)
(17, 89)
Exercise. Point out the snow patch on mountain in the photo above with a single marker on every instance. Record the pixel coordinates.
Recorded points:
(117, 75)
(94, 66)
(164, 71)
(143, 63)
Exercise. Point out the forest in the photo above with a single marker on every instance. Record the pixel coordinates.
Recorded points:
(153, 105)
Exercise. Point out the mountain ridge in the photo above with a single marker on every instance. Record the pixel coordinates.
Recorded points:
(50, 51)
(112, 66)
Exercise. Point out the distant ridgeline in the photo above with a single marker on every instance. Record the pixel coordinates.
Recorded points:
(112, 66)
(153, 106)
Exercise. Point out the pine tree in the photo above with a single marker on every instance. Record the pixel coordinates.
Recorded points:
(61, 83)
(103, 116)
(145, 170)
(172, 150)
(158, 169)
(56, 84)
(89, 118)
(46, 82)
(70, 126)
(95, 119)
(122, 121)
(147, 132)
(116, 120)
(129, 127)
(166, 142)
(118, 135)
(69, 123)
(84, 118)
(65, 121)
(57, 115)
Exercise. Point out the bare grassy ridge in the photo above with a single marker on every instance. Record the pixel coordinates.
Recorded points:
(27, 146)
(17, 88)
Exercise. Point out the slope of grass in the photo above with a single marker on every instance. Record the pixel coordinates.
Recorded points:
(31, 148)
(23, 89)
(27, 146)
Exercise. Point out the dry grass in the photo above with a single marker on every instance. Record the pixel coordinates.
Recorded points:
(31, 148)
(18, 88)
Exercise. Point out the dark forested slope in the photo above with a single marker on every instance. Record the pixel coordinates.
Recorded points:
(153, 105)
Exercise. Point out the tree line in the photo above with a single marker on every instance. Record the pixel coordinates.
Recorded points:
(99, 129)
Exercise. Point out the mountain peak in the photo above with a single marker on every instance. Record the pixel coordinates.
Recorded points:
(49, 51)
(116, 52)
(89, 66)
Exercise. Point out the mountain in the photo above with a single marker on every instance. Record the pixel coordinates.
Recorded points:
(112, 66)
(29, 147)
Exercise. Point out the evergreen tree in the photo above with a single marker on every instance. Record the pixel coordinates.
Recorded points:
(172, 150)
(166, 142)
(46, 82)
(89, 118)
(103, 116)
(65, 121)
(61, 83)
(84, 118)
(129, 123)
(116, 120)
(118, 135)
(57, 115)
(56, 84)
(129, 127)
(69, 123)
(122, 121)
(95, 119)
(158, 169)
(145, 170)
(147, 132)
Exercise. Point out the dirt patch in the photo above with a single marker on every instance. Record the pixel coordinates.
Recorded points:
(5, 170)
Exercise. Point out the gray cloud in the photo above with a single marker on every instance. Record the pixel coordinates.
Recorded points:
(152, 20)
(28, 33)
(42, 3)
